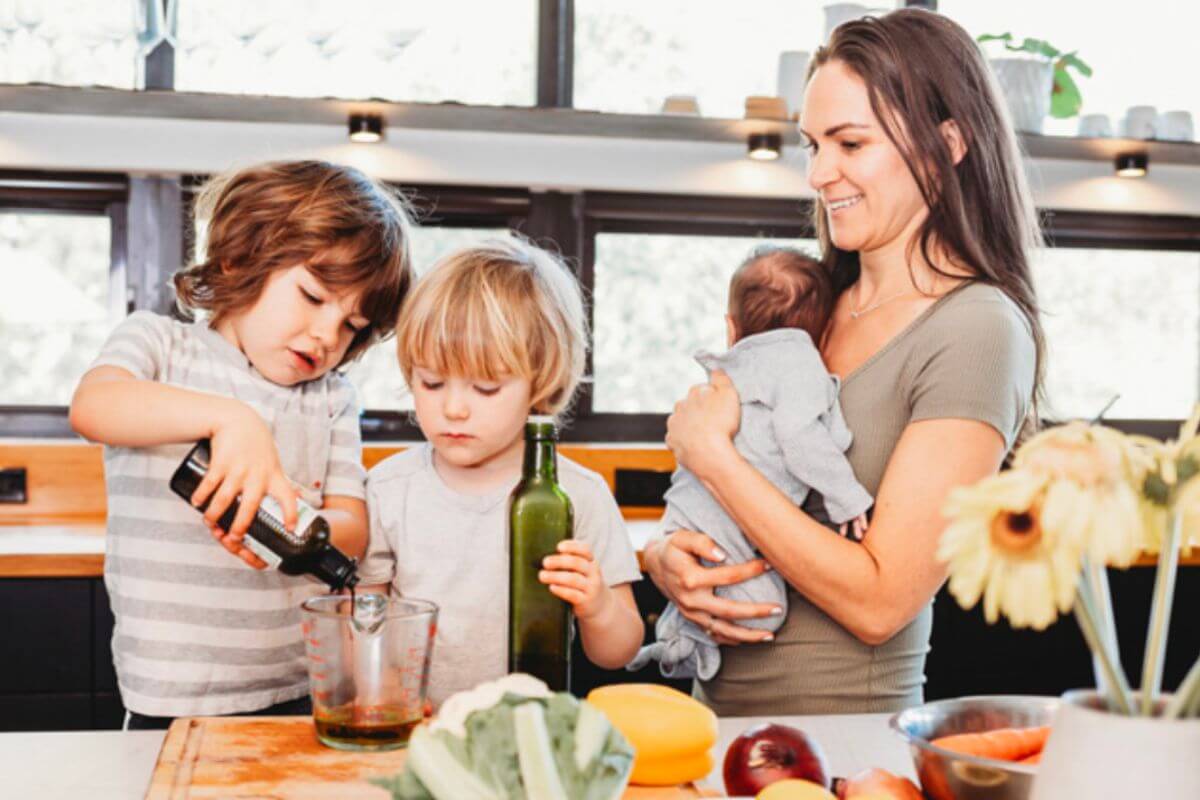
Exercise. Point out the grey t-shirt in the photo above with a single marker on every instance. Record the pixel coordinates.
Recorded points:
(970, 355)
(199, 632)
(433, 543)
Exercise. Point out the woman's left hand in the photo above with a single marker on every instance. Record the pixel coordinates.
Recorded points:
(704, 422)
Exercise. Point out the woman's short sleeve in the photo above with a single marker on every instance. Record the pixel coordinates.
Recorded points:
(979, 364)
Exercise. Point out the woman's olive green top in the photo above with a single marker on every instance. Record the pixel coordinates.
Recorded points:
(970, 355)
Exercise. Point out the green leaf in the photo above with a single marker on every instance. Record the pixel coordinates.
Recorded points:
(1075, 62)
(1186, 469)
(1156, 489)
(1065, 99)
(993, 37)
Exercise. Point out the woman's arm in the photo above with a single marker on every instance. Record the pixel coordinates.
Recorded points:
(876, 587)
(873, 588)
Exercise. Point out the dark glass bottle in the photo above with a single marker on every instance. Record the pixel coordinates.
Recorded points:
(540, 516)
(305, 551)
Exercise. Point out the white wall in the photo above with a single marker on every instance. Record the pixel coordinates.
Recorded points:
(138, 145)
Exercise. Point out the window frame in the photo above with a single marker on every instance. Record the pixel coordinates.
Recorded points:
(571, 221)
(99, 194)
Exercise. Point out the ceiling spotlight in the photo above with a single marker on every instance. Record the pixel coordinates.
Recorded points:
(366, 127)
(764, 146)
(1132, 165)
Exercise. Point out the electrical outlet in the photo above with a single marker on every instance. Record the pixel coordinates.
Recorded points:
(12, 485)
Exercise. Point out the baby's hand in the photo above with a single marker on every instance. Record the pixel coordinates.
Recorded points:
(573, 576)
(857, 528)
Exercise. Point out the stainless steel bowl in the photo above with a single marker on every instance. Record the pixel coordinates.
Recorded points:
(946, 775)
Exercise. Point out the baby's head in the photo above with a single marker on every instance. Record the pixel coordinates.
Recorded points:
(489, 335)
(305, 265)
(778, 287)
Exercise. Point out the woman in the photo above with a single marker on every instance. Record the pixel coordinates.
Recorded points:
(925, 220)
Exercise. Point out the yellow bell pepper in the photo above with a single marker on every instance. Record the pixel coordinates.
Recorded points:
(671, 733)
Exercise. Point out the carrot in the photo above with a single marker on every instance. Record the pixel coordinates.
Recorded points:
(1036, 758)
(1003, 744)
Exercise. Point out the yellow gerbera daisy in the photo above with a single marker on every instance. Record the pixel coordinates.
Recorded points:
(1107, 470)
(1012, 539)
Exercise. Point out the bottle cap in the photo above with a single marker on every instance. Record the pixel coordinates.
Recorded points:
(541, 426)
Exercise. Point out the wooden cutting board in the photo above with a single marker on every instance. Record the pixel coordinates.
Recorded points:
(205, 758)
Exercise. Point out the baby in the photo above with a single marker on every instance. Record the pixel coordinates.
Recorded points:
(792, 431)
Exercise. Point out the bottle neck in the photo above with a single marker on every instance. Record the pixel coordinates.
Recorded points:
(539, 460)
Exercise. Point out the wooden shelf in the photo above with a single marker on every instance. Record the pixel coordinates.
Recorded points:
(1073, 148)
(104, 102)
(97, 101)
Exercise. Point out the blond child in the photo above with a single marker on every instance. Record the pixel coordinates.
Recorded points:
(306, 265)
(489, 336)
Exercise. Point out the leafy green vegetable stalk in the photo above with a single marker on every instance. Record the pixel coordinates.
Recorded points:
(521, 747)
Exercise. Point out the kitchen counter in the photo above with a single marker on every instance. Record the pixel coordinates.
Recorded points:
(64, 549)
(112, 765)
(60, 549)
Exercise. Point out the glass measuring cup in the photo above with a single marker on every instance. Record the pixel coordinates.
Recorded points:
(368, 667)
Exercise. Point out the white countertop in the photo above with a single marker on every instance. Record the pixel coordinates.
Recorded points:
(112, 765)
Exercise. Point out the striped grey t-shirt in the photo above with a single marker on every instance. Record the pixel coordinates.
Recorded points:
(199, 632)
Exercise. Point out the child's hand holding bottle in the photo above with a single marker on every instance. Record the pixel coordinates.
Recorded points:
(573, 575)
(245, 463)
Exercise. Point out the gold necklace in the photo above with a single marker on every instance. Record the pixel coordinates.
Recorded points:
(855, 314)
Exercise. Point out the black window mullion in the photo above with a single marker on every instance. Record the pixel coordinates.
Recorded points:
(555, 53)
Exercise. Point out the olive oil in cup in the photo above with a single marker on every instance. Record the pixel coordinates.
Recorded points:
(368, 667)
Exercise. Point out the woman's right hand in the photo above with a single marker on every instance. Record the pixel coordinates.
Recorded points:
(245, 462)
(674, 566)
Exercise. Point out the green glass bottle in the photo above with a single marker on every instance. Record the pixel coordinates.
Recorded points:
(540, 516)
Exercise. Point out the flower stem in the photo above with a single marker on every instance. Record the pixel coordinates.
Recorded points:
(1116, 685)
(1186, 694)
(1160, 614)
(1101, 605)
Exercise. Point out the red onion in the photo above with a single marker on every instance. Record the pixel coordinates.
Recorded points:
(764, 754)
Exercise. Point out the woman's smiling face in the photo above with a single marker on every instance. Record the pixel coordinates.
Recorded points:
(867, 193)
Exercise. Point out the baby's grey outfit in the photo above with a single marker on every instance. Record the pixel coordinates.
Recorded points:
(792, 431)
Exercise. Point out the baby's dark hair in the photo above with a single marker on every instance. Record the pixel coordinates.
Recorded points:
(780, 287)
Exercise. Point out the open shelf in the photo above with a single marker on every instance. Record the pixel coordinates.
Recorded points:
(99, 101)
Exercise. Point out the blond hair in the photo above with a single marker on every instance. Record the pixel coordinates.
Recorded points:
(504, 308)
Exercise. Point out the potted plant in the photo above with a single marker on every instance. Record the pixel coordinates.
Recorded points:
(1034, 542)
(1038, 81)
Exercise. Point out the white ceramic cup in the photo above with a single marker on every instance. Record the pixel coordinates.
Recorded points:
(1177, 126)
(793, 67)
(1097, 126)
(1140, 122)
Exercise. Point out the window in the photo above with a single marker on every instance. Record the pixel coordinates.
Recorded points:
(1121, 322)
(71, 42)
(376, 375)
(659, 299)
(55, 310)
(631, 55)
(1138, 57)
(469, 51)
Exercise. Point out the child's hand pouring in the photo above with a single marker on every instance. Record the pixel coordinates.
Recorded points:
(245, 466)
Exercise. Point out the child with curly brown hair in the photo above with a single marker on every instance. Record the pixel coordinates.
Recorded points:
(306, 266)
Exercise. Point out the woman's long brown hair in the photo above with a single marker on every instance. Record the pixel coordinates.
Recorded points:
(921, 69)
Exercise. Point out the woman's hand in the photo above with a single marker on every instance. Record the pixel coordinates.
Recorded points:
(573, 575)
(244, 462)
(674, 566)
(701, 430)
